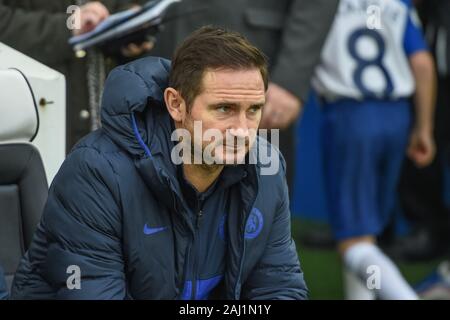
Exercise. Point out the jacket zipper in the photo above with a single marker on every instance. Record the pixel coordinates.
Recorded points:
(241, 263)
(196, 257)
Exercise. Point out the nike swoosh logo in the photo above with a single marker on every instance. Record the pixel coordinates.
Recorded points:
(149, 231)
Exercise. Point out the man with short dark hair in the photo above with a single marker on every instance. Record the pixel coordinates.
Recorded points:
(130, 215)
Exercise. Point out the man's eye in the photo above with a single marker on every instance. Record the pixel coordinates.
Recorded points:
(223, 109)
(254, 110)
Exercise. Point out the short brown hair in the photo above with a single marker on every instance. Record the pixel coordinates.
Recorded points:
(212, 48)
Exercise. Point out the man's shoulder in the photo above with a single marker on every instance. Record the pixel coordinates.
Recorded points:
(98, 141)
(89, 169)
(271, 171)
(268, 158)
(96, 154)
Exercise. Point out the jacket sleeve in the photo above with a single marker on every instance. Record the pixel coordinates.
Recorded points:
(278, 275)
(39, 34)
(82, 222)
(303, 37)
(3, 288)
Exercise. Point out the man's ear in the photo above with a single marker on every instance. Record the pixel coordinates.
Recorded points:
(175, 104)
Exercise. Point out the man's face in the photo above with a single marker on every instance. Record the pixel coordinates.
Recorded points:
(230, 102)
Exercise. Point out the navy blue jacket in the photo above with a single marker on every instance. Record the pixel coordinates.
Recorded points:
(117, 212)
(3, 288)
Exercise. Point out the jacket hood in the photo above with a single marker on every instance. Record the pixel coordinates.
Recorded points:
(129, 91)
(134, 116)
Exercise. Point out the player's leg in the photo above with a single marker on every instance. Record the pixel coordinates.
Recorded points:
(361, 255)
(364, 260)
(354, 287)
(350, 184)
(397, 122)
(353, 146)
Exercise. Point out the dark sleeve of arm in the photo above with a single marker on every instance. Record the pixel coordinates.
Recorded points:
(38, 34)
(304, 34)
(83, 226)
(278, 274)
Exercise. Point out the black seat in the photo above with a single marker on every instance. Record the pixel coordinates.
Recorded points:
(23, 183)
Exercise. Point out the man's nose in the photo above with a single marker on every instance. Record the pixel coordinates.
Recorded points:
(240, 126)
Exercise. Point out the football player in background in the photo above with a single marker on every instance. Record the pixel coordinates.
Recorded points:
(375, 66)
